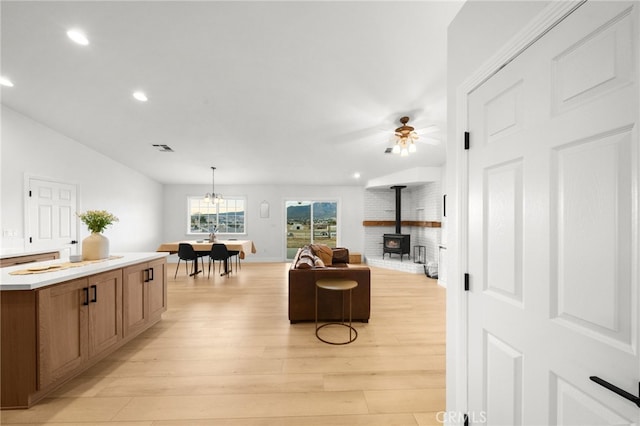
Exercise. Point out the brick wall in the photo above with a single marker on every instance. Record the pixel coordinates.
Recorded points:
(422, 202)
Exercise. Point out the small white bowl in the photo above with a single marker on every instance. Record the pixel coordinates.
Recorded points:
(75, 258)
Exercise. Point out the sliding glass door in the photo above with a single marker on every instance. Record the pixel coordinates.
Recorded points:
(310, 222)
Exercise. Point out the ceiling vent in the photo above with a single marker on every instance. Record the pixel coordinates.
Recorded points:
(163, 148)
(388, 150)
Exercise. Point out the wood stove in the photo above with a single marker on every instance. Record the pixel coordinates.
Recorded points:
(397, 243)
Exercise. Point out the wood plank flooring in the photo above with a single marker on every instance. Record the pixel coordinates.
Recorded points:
(225, 355)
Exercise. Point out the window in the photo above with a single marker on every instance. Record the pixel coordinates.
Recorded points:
(311, 222)
(226, 217)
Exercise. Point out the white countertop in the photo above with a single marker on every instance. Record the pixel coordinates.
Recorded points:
(34, 281)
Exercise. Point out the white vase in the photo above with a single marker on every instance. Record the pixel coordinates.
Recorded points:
(95, 246)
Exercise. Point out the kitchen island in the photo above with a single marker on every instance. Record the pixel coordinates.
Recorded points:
(58, 319)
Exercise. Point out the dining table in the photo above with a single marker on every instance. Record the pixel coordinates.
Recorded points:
(203, 247)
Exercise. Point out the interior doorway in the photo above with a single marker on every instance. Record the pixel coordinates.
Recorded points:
(50, 220)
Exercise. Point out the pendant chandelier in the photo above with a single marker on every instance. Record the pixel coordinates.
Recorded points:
(405, 139)
(212, 197)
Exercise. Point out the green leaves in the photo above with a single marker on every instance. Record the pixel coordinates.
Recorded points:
(97, 220)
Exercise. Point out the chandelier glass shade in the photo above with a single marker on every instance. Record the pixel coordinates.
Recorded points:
(213, 197)
(405, 139)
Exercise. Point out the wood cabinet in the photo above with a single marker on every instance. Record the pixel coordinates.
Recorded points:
(53, 333)
(78, 320)
(145, 295)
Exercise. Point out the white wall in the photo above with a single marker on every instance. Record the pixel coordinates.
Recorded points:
(269, 234)
(479, 30)
(28, 147)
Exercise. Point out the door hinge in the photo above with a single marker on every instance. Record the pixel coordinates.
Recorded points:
(466, 140)
(466, 420)
(30, 195)
(30, 240)
(466, 282)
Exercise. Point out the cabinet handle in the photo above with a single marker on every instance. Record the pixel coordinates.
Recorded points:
(86, 296)
(151, 269)
(95, 293)
(145, 273)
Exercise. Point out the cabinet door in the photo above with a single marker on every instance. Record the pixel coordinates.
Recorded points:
(135, 292)
(62, 317)
(105, 311)
(157, 289)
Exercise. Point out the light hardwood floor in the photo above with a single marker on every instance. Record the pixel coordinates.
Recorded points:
(225, 354)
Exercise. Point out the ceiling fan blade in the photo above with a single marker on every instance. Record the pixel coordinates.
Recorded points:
(430, 141)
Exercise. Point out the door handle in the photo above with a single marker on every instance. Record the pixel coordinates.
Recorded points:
(145, 272)
(86, 296)
(613, 388)
(74, 242)
(95, 293)
(151, 278)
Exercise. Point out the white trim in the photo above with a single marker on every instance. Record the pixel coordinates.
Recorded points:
(550, 16)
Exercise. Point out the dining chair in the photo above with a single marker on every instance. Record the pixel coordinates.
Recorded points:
(220, 253)
(235, 253)
(187, 253)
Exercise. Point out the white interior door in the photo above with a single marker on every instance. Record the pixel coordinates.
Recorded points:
(51, 215)
(553, 227)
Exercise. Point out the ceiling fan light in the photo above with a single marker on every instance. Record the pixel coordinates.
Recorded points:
(141, 96)
(78, 37)
(5, 82)
(396, 149)
(404, 152)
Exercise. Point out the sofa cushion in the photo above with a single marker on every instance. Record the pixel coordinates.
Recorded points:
(305, 263)
(324, 252)
(340, 255)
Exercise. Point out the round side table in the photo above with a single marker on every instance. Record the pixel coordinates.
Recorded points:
(337, 284)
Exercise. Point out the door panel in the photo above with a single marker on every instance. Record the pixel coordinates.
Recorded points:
(157, 289)
(504, 396)
(105, 311)
(135, 293)
(63, 331)
(592, 185)
(503, 222)
(553, 227)
(571, 406)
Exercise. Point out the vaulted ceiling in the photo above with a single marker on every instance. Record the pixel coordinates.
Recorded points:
(267, 92)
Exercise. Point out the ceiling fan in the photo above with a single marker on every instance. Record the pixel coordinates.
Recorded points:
(405, 138)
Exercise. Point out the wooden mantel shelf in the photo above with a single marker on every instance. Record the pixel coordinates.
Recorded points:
(420, 223)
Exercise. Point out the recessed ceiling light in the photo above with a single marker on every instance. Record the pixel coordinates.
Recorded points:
(356, 175)
(140, 96)
(6, 82)
(78, 37)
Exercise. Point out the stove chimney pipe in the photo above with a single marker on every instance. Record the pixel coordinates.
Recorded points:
(398, 189)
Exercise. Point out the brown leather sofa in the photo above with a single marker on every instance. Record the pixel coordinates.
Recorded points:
(302, 283)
